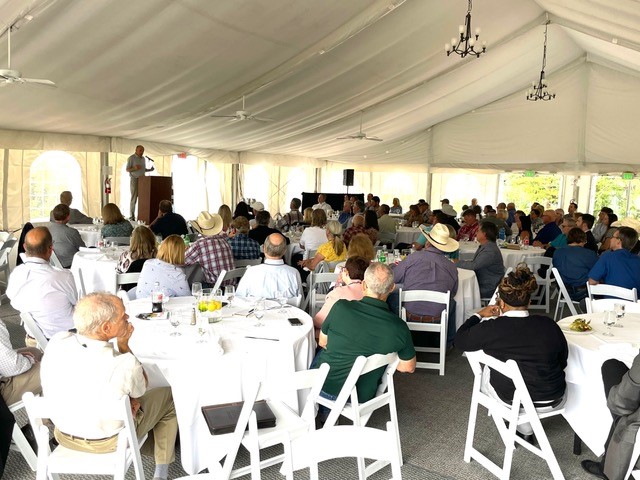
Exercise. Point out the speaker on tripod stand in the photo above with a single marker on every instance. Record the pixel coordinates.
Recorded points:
(347, 178)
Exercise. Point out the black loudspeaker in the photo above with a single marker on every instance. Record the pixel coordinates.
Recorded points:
(347, 177)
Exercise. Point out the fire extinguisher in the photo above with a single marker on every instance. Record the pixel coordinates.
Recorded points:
(107, 185)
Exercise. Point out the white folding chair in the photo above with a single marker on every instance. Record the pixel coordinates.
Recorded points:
(225, 276)
(33, 330)
(289, 423)
(520, 411)
(20, 442)
(608, 305)
(126, 278)
(544, 283)
(319, 284)
(564, 298)
(359, 413)
(81, 289)
(345, 441)
(246, 263)
(63, 460)
(440, 328)
(295, 301)
(5, 251)
(54, 260)
(118, 240)
(494, 298)
(602, 289)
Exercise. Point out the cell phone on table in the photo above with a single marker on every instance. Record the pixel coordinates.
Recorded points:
(295, 322)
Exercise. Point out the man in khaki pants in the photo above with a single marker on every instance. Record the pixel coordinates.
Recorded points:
(85, 369)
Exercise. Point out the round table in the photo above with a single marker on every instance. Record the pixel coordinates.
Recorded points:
(407, 235)
(98, 267)
(89, 233)
(467, 297)
(511, 258)
(586, 408)
(210, 373)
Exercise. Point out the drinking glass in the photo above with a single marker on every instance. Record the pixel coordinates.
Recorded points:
(281, 297)
(229, 293)
(259, 312)
(174, 319)
(609, 320)
(619, 309)
(203, 325)
(196, 289)
(415, 224)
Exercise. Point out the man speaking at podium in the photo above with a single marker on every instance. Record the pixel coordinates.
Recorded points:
(136, 164)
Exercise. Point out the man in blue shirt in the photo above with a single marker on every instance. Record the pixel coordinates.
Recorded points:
(574, 263)
(550, 230)
(619, 266)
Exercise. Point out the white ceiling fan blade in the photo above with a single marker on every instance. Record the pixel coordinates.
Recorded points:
(348, 137)
(375, 139)
(260, 119)
(224, 116)
(38, 81)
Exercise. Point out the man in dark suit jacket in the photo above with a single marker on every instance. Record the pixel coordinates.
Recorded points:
(168, 223)
(585, 223)
(262, 230)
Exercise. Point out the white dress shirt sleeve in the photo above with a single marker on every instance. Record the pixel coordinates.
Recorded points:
(11, 362)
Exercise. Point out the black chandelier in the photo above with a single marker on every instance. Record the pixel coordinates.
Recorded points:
(467, 42)
(538, 91)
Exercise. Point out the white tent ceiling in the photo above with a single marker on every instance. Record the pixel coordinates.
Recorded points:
(155, 70)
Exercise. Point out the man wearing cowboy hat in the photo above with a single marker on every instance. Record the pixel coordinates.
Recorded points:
(429, 269)
(212, 252)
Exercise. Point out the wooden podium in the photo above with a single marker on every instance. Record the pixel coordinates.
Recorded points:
(151, 190)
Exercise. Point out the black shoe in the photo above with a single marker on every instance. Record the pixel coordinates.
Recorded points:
(53, 443)
(27, 431)
(527, 438)
(594, 468)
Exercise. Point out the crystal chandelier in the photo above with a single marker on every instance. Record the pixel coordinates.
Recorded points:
(465, 45)
(538, 91)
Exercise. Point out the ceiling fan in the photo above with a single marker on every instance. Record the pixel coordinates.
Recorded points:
(360, 135)
(12, 77)
(242, 115)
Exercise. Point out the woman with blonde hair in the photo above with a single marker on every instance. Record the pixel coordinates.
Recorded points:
(315, 235)
(307, 216)
(225, 212)
(361, 246)
(167, 269)
(333, 250)
(115, 225)
(142, 248)
(396, 209)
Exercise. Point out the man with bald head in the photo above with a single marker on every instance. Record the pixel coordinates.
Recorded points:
(550, 230)
(272, 276)
(48, 293)
(75, 215)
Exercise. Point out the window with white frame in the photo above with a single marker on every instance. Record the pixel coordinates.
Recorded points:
(46, 183)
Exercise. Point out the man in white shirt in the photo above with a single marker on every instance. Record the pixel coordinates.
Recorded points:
(19, 369)
(86, 370)
(66, 240)
(48, 293)
(322, 203)
(387, 224)
(272, 276)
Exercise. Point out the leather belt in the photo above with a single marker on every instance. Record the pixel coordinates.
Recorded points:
(412, 317)
(550, 403)
(580, 288)
(88, 440)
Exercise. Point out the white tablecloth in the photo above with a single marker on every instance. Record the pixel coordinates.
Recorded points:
(586, 408)
(89, 233)
(407, 235)
(511, 258)
(199, 375)
(468, 296)
(98, 269)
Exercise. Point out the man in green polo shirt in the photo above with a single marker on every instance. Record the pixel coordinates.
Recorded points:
(364, 327)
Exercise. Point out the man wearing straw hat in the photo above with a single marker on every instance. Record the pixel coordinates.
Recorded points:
(429, 269)
(212, 252)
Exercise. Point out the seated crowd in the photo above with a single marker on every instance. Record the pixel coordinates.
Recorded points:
(360, 312)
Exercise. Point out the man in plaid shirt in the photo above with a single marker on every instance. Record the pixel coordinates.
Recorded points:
(212, 252)
(243, 247)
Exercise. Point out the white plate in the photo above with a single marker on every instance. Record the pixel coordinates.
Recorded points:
(564, 326)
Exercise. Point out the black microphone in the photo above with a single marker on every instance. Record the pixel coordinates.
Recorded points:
(150, 159)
